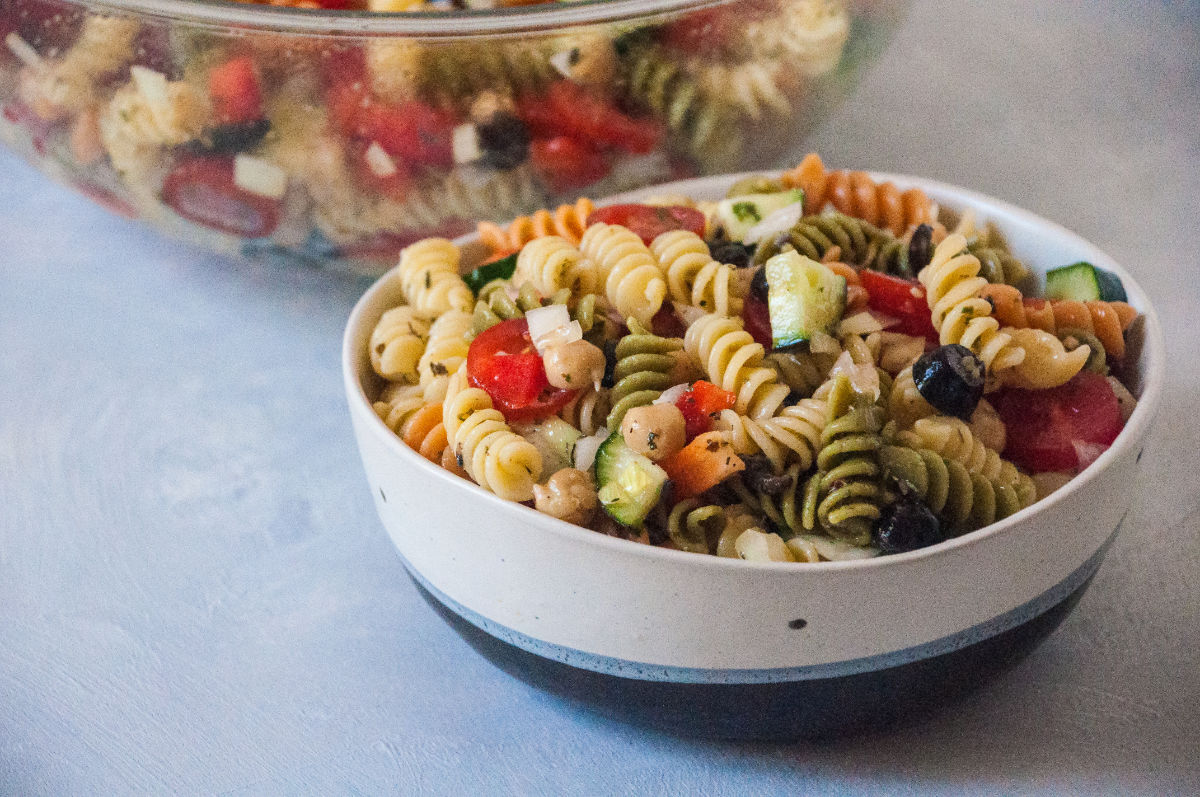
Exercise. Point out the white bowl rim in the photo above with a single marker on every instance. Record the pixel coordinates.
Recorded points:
(456, 24)
(1153, 354)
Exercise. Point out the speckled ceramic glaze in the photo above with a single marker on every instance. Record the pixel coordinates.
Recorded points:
(724, 647)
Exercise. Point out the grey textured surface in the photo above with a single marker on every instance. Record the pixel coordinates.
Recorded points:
(196, 595)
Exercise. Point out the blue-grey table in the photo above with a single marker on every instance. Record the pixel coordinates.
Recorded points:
(196, 594)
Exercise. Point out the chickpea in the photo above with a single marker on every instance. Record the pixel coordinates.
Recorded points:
(593, 61)
(567, 495)
(988, 427)
(657, 430)
(573, 365)
(489, 103)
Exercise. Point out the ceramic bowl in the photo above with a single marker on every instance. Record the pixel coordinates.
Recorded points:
(337, 137)
(727, 648)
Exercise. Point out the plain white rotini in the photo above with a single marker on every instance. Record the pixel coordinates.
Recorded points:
(693, 277)
(633, 282)
(905, 403)
(397, 403)
(793, 435)
(429, 278)
(551, 264)
(1047, 363)
(445, 351)
(397, 342)
(952, 284)
(733, 362)
(751, 86)
(496, 457)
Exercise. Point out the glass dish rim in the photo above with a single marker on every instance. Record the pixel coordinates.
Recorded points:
(433, 24)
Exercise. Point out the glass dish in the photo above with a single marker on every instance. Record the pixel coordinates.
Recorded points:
(336, 138)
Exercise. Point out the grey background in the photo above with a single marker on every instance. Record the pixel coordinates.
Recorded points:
(196, 594)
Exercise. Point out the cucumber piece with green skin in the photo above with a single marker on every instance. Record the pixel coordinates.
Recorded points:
(1076, 282)
(629, 483)
(738, 214)
(1111, 289)
(803, 297)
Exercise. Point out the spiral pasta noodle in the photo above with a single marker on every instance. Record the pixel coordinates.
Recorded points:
(552, 264)
(793, 435)
(844, 496)
(952, 288)
(633, 282)
(802, 371)
(855, 240)
(1047, 362)
(69, 83)
(445, 351)
(693, 277)
(1106, 320)
(429, 277)
(953, 439)
(425, 433)
(733, 361)
(453, 74)
(588, 410)
(497, 458)
(857, 194)
(397, 403)
(963, 500)
(642, 372)
(691, 525)
(397, 343)
(750, 86)
(567, 221)
(706, 125)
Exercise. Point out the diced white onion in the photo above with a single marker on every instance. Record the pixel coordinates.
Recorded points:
(1088, 452)
(688, 313)
(1125, 400)
(150, 84)
(838, 551)
(544, 323)
(562, 61)
(379, 162)
(776, 222)
(821, 343)
(672, 394)
(862, 323)
(863, 377)
(23, 50)
(586, 448)
(464, 142)
(257, 176)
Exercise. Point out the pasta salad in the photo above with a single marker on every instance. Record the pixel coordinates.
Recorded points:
(816, 367)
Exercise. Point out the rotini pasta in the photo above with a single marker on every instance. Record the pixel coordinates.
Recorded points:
(397, 343)
(693, 277)
(429, 277)
(1106, 320)
(497, 458)
(566, 221)
(856, 194)
(551, 264)
(793, 435)
(959, 314)
(643, 370)
(633, 282)
(733, 361)
(953, 439)
(445, 351)
(693, 526)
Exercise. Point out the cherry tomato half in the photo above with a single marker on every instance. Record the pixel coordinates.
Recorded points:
(567, 163)
(902, 299)
(1044, 426)
(585, 115)
(503, 362)
(650, 221)
(202, 190)
(235, 91)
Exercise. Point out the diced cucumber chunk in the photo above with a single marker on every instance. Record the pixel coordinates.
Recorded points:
(803, 297)
(1077, 282)
(738, 214)
(629, 483)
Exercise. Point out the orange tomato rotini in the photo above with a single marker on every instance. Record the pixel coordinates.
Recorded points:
(566, 221)
(425, 433)
(1106, 320)
(856, 194)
